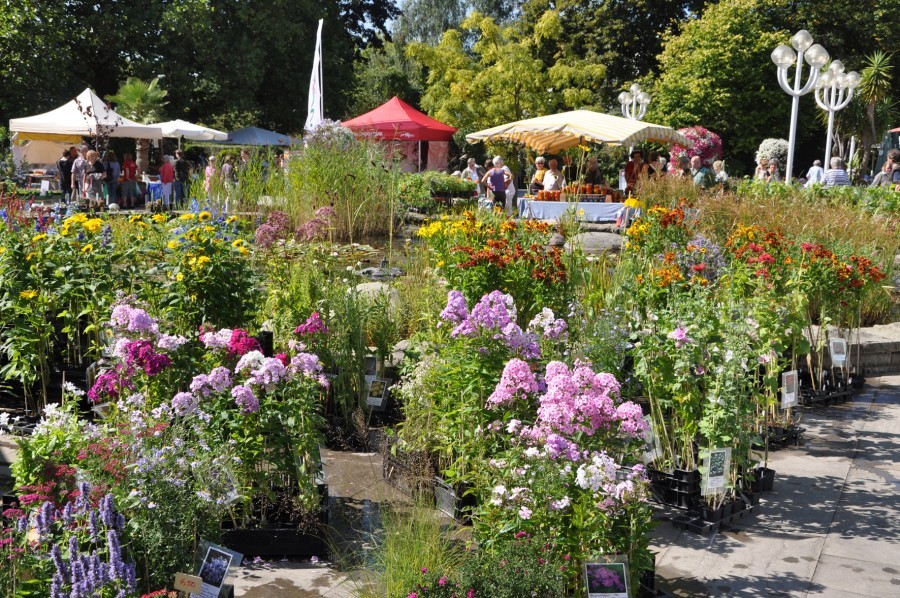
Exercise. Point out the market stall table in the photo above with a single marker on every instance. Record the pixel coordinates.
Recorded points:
(553, 210)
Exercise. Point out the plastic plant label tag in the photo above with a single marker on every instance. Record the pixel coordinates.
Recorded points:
(377, 396)
(717, 462)
(838, 349)
(188, 583)
(789, 389)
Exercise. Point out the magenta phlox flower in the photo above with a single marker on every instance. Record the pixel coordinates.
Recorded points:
(680, 336)
(108, 385)
(548, 325)
(457, 310)
(142, 354)
(517, 381)
(184, 403)
(217, 339)
(312, 325)
(240, 343)
(245, 398)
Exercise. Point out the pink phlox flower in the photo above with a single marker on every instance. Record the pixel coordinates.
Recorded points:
(517, 381)
(216, 340)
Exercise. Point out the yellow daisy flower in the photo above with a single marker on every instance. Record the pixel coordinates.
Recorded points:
(186, 217)
(29, 294)
(159, 218)
(39, 237)
(204, 216)
(172, 244)
(93, 225)
(87, 248)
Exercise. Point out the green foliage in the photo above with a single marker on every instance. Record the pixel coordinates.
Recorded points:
(717, 71)
(351, 176)
(517, 566)
(413, 540)
(505, 76)
(140, 101)
(384, 72)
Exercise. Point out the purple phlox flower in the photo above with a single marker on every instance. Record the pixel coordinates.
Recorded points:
(184, 403)
(142, 354)
(494, 311)
(680, 336)
(575, 401)
(268, 374)
(517, 381)
(306, 363)
(607, 578)
(523, 343)
(457, 311)
(547, 324)
(245, 399)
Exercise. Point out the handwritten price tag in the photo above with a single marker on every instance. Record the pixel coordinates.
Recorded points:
(188, 583)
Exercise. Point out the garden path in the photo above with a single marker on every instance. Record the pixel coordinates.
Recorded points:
(831, 527)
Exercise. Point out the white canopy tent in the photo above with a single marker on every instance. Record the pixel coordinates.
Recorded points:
(182, 128)
(85, 116)
(37, 152)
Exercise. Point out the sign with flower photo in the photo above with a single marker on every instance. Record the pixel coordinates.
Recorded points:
(606, 580)
(789, 389)
(213, 572)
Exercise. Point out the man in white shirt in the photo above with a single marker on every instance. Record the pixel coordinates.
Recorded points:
(816, 174)
(471, 173)
(553, 178)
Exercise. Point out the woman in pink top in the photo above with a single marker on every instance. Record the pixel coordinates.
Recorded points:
(167, 177)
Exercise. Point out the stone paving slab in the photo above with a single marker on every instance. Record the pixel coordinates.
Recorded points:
(831, 527)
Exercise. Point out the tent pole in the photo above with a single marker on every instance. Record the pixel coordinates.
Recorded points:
(420, 155)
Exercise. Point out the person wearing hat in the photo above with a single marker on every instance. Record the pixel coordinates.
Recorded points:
(537, 181)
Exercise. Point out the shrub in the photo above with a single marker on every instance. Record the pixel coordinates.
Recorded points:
(773, 149)
(707, 145)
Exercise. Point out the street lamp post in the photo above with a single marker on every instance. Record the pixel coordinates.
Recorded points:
(634, 102)
(834, 90)
(783, 57)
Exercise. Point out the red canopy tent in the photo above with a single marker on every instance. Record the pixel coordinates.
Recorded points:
(395, 120)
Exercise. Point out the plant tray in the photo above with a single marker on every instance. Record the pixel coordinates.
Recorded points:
(693, 521)
(285, 542)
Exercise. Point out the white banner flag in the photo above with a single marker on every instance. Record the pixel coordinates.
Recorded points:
(314, 114)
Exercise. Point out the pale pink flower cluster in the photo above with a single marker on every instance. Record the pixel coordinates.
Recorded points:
(517, 381)
(216, 340)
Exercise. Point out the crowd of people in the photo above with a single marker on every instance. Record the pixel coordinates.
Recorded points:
(85, 176)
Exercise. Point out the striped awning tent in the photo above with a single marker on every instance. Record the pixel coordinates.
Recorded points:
(556, 132)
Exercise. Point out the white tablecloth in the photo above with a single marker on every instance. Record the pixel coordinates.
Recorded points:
(593, 212)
